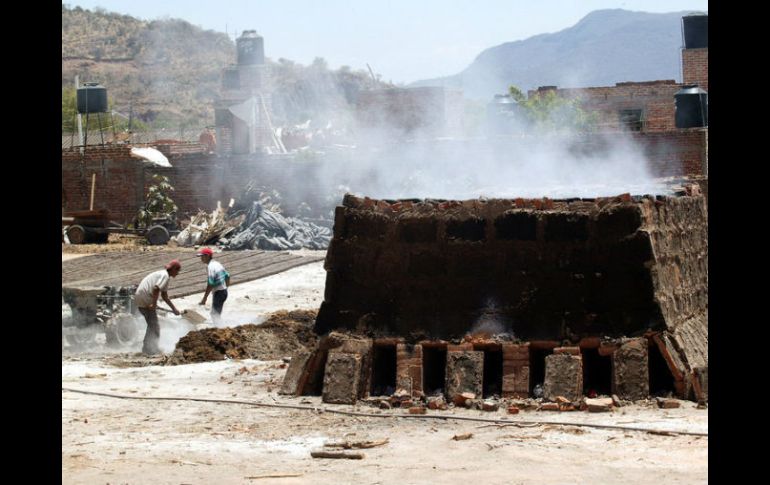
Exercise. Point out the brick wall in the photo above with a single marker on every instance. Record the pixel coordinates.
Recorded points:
(118, 177)
(674, 153)
(695, 67)
(199, 179)
(423, 111)
(654, 98)
(678, 231)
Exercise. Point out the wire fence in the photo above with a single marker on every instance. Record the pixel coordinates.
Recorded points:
(106, 135)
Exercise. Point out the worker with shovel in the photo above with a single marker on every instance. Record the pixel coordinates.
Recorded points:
(146, 297)
(218, 281)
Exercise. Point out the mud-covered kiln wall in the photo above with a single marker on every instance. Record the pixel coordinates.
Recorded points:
(543, 269)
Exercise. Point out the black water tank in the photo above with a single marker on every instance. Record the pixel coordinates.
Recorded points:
(503, 114)
(251, 49)
(692, 107)
(92, 98)
(695, 30)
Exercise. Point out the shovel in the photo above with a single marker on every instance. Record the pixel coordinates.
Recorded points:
(190, 315)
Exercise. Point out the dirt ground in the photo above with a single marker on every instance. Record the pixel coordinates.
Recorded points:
(125, 440)
(115, 243)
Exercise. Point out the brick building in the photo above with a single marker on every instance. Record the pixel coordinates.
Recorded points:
(646, 106)
(631, 106)
(649, 107)
(423, 111)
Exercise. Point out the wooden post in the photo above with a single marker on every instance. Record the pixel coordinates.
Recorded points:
(93, 186)
(80, 122)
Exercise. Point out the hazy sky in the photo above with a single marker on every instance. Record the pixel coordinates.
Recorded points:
(404, 40)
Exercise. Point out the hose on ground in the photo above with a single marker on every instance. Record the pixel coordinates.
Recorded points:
(385, 415)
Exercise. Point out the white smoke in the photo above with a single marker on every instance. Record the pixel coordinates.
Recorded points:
(235, 318)
(390, 163)
(172, 328)
(490, 321)
(549, 166)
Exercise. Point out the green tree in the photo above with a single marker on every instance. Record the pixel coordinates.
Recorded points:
(159, 203)
(546, 111)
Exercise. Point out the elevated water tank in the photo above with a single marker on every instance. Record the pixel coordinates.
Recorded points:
(92, 98)
(695, 31)
(251, 49)
(692, 107)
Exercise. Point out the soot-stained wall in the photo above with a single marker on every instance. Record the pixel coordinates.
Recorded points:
(537, 268)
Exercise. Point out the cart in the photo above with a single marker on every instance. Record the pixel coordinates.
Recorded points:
(92, 310)
(95, 226)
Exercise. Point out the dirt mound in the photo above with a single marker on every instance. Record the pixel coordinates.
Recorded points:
(281, 335)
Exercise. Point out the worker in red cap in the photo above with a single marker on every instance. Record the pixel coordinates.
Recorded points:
(217, 282)
(146, 297)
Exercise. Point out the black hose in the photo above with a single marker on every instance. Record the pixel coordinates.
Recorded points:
(372, 415)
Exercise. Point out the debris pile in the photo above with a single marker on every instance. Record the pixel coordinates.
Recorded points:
(255, 223)
(283, 333)
(418, 403)
(208, 228)
(265, 229)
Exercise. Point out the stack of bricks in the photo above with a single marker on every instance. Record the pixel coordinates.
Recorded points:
(409, 367)
(464, 373)
(342, 377)
(630, 374)
(563, 375)
(516, 370)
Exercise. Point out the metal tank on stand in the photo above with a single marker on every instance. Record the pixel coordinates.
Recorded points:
(692, 107)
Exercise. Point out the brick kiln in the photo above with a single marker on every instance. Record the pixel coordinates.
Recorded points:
(495, 296)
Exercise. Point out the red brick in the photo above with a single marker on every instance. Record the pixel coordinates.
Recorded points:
(567, 350)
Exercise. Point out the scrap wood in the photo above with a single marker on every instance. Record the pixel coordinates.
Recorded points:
(277, 475)
(336, 454)
(465, 436)
(357, 444)
(184, 462)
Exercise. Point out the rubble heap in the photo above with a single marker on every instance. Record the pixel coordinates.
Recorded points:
(265, 229)
(255, 228)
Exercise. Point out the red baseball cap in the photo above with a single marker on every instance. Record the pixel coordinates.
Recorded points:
(206, 251)
(174, 263)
